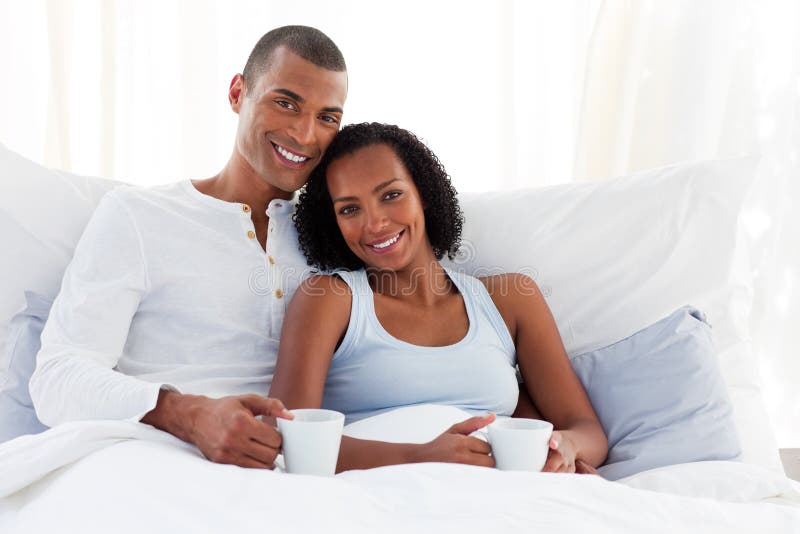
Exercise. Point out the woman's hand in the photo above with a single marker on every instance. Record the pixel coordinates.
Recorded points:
(456, 445)
(561, 456)
(582, 468)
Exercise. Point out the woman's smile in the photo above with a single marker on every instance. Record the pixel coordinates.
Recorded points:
(382, 246)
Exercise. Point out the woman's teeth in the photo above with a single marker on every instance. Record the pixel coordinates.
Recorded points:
(387, 243)
(288, 155)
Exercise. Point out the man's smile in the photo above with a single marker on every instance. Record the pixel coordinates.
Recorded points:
(288, 157)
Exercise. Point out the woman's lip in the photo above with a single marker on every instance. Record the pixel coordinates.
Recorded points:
(385, 238)
(389, 247)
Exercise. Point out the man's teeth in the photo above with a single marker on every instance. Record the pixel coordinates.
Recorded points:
(387, 243)
(288, 155)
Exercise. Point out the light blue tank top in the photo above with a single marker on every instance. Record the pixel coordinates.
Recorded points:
(373, 372)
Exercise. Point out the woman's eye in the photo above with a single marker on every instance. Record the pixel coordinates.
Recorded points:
(391, 195)
(347, 210)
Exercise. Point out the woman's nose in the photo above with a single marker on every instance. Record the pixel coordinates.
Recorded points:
(376, 221)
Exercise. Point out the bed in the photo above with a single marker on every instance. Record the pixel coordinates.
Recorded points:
(625, 264)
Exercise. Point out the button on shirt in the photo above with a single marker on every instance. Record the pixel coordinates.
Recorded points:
(167, 287)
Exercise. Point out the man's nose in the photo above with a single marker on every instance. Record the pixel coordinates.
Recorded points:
(303, 130)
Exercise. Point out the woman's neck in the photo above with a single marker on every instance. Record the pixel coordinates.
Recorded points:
(424, 283)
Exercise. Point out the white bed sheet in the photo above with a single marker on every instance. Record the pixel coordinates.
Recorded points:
(128, 477)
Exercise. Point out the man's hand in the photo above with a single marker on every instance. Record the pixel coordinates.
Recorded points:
(457, 446)
(225, 430)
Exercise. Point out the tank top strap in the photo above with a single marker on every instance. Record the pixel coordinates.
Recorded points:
(473, 289)
(361, 299)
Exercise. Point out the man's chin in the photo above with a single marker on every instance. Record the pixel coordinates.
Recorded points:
(286, 184)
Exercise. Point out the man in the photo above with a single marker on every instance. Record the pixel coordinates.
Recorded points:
(171, 308)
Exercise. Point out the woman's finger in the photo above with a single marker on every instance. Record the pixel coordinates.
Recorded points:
(584, 468)
(555, 440)
(553, 463)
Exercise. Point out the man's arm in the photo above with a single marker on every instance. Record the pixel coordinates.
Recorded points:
(88, 326)
(84, 338)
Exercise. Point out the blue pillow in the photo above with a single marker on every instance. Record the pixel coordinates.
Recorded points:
(660, 397)
(17, 416)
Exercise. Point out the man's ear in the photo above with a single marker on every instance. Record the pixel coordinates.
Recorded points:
(236, 92)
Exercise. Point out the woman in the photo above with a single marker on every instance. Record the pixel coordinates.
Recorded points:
(397, 328)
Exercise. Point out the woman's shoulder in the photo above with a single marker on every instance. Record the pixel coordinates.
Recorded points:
(506, 285)
(325, 286)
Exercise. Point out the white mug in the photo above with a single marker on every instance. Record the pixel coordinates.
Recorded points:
(520, 444)
(311, 441)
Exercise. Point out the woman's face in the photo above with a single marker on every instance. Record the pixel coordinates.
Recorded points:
(378, 209)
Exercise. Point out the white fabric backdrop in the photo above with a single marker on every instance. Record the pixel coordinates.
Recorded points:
(508, 93)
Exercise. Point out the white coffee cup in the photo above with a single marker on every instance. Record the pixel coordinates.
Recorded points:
(520, 444)
(311, 441)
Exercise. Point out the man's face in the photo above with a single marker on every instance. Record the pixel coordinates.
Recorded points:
(288, 119)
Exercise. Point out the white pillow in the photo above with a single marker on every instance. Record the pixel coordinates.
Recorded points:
(612, 257)
(615, 256)
(42, 215)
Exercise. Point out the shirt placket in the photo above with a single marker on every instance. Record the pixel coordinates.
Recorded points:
(272, 263)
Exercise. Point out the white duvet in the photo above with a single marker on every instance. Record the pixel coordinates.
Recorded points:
(128, 477)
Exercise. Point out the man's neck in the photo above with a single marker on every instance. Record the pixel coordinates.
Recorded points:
(237, 182)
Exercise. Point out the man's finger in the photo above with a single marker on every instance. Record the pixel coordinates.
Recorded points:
(472, 424)
(265, 406)
(259, 452)
(482, 460)
(264, 434)
(478, 446)
(252, 463)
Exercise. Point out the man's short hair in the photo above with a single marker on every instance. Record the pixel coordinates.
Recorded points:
(308, 43)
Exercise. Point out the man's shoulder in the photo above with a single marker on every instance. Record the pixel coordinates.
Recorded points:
(128, 193)
(145, 203)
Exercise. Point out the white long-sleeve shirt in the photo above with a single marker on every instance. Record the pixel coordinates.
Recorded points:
(167, 287)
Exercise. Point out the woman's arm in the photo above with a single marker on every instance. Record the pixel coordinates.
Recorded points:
(553, 386)
(454, 446)
(315, 323)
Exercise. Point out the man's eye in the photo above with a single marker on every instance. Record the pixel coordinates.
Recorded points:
(329, 118)
(285, 104)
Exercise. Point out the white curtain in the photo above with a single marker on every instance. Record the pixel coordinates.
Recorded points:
(688, 79)
(137, 89)
(509, 94)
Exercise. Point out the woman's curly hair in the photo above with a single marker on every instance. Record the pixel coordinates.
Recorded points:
(319, 235)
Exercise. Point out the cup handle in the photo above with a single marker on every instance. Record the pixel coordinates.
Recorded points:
(280, 464)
